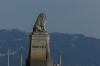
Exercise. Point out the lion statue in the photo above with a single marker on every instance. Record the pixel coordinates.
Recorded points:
(39, 25)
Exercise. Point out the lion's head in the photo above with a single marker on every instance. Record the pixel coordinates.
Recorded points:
(42, 16)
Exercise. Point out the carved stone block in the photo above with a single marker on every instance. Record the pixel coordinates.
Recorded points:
(39, 50)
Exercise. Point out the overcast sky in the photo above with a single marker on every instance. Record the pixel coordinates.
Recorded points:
(63, 16)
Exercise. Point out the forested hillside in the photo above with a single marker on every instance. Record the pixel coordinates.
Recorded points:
(76, 49)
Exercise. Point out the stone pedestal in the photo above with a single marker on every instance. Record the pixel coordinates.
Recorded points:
(39, 50)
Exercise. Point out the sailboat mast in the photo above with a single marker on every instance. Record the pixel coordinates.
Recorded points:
(60, 59)
(8, 56)
(21, 57)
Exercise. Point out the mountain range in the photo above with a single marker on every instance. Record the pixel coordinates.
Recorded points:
(76, 49)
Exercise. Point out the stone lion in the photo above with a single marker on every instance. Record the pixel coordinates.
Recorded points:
(39, 25)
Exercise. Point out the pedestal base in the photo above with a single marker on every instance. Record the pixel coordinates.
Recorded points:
(39, 62)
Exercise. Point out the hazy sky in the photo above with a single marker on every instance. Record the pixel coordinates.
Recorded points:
(63, 16)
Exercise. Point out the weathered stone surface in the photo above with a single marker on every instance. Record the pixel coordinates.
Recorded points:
(39, 25)
(39, 51)
(39, 62)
